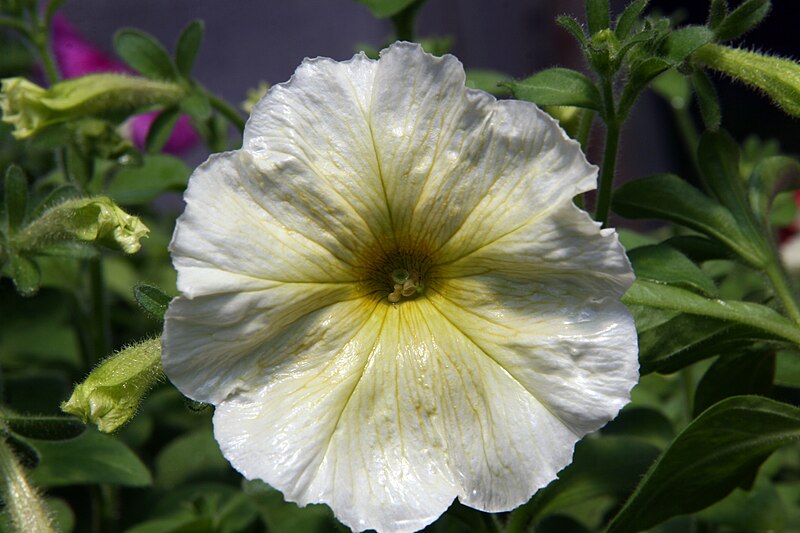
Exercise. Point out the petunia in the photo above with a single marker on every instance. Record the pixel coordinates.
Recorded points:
(391, 299)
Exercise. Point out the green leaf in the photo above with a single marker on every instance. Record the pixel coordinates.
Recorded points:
(748, 314)
(709, 459)
(680, 43)
(152, 299)
(386, 8)
(698, 249)
(736, 374)
(707, 100)
(668, 197)
(663, 264)
(187, 47)
(161, 129)
(717, 12)
(642, 72)
(26, 275)
(143, 53)
(628, 17)
(643, 423)
(674, 87)
(280, 515)
(197, 105)
(139, 185)
(16, 197)
(609, 466)
(488, 80)
(759, 509)
(744, 18)
(44, 427)
(683, 339)
(558, 86)
(718, 157)
(190, 458)
(771, 176)
(574, 27)
(597, 15)
(90, 458)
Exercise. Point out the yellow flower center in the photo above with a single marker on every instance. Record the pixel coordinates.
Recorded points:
(398, 274)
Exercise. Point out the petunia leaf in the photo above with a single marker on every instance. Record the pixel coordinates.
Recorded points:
(187, 47)
(749, 372)
(604, 467)
(487, 80)
(16, 196)
(663, 264)
(668, 197)
(44, 427)
(89, 458)
(152, 299)
(680, 43)
(628, 17)
(644, 423)
(717, 11)
(572, 26)
(139, 185)
(597, 15)
(744, 18)
(749, 314)
(386, 8)
(697, 248)
(161, 129)
(666, 346)
(642, 73)
(558, 86)
(707, 100)
(143, 53)
(26, 275)
(709, 459)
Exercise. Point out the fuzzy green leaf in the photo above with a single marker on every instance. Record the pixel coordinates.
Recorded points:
(573, 26)
(44, 427)
(26, 275)
(742, 19)
(143, 53)
(152, 299)
(708, 459)
(597, 15)
(734, 375)
(161, 129)
(628, 17)
(139, 185)
(707, 100)
(663, 264)
(187, 47)
(558, 86)
(16, 196)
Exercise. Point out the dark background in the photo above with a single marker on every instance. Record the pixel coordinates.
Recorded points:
(248, 41)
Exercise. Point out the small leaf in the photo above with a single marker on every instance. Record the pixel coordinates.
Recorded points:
(488, 80)
(574, 27)
(749, 314)
(707, 100)
(161, 129)
(152, 299)
(44, 427)
(26, 275)
(709, 459)
(744, 18)
(641, 74)
(717, 12)
(698, 249)
(628, 17)
(88, 459)
(16, 196)
(139, 185)
(144, 54)
(663, 264)
(197, 105)
(597, 15)
(668, 197)
(734, 375)
(386, 8)
(558, 86)
(190, 458)
(187, 47)
(682, 42)
(771, 176)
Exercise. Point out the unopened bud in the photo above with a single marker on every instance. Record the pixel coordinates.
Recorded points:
(110, 395)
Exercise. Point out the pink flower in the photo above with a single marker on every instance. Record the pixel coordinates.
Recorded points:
(77, 57)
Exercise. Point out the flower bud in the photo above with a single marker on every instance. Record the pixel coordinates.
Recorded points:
(95, 219)
(111, 394)
(779, 78)
(30, 108)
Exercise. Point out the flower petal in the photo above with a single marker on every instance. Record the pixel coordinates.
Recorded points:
(457, 161)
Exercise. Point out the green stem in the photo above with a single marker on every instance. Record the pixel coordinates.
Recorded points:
(226, 110)
(689, 134)
(41, 39)
(404, 22)
(608, 168)
(584, 128)
(99, 311)
(16, 24)
(22, 502)
(783, 290)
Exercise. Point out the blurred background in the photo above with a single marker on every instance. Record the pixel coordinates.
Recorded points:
(250, 41)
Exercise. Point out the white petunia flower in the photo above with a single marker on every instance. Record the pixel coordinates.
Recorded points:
(391, 299)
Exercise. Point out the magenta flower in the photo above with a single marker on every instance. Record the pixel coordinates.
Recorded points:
(78, 57)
